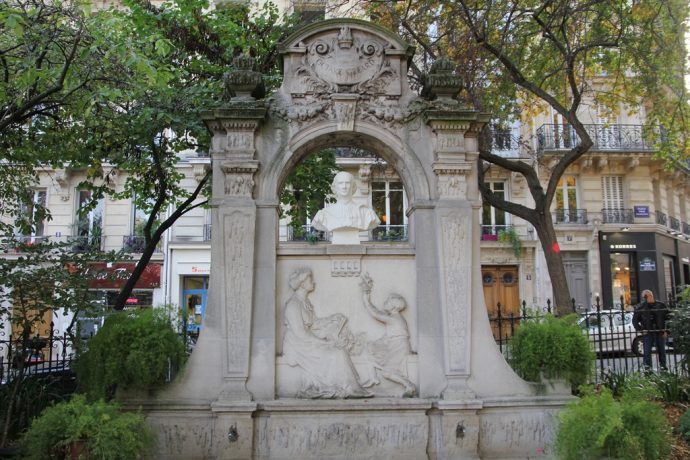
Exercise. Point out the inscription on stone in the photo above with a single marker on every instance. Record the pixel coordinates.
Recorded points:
(346, 267)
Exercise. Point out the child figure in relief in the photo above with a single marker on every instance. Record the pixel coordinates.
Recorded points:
(390, 352)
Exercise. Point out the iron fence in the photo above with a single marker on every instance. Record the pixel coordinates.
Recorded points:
(618, 346)
(24, 354)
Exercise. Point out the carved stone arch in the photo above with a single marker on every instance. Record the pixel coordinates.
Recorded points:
(366, 136)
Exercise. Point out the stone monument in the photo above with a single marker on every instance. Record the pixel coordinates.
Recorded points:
(347, 350)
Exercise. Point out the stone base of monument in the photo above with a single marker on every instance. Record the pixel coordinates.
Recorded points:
(505, 428)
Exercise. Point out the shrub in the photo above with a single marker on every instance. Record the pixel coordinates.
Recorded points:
(105, 432)
(133, 350)
(684, 425)
(597, 426)
(551, 348)
(679, 327)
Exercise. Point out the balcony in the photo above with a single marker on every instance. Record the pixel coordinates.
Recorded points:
(207, 232)
(136, 244)
(570, 216)
(305, 233)
(505, 141)
(491, 232)
(617, 216)
(675, 224)
(85, 243)
(686, 228)
(617, 138)
(661, 218)
(389, 233)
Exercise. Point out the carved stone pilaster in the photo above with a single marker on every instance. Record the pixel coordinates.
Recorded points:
(455, 284)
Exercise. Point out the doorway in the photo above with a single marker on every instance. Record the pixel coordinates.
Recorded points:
(501, 286)
(577, 276)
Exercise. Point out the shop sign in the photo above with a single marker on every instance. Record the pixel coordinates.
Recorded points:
(623, 246)
(641, 211)
(647, 264)
(114, 276)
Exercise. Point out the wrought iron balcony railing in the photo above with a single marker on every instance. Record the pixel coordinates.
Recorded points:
(675, 224)
(136, 244)
(86, 243)
(491, 232)
(617, 216)
(389, 233)
(661, 218)
(305, 233)
(207, 232)
(629, 138)
(570, 216)
(505, 141)
(686, 228)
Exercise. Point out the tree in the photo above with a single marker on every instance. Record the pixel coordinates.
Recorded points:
(159, 66)
(517, 58)
(307, 187)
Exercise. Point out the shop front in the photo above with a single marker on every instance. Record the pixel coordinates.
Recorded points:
(634, 261)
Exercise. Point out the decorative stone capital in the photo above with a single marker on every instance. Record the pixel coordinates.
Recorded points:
(243, 83)
(62, 177)
(239, 177)
(364, 178)
(452, 179)
(234, 128)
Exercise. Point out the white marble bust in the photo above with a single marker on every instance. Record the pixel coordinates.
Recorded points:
(345, 218)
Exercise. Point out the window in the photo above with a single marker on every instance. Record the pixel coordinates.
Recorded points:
(566, 201)
(89, 221)
(612, 187)
(33, 210)
(389, 203)
(624, 279)
(494, 219)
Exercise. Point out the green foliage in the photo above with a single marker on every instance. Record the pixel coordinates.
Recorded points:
(308, 187)
(133, 350)
(671, 387)
(32, 397)
(597, 426)
(679, 328)
(509, 235)
(108, 433)
(684, 425)
(551, 348)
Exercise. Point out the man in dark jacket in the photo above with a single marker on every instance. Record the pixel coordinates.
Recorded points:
(650, 318)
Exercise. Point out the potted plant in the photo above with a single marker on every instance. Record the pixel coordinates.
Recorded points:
(79, 429)
(135, 351)
(551, 348)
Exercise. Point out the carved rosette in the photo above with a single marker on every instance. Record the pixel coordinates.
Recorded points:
(456, 285)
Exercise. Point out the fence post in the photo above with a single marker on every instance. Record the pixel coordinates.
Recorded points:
(500, 326)
(598, 341)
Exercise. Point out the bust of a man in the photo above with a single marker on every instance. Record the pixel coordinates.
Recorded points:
(345, 218)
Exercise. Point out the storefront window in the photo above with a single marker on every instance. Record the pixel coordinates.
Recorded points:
(624, 277)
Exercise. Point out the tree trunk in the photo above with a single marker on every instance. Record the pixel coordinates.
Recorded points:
(561, 302)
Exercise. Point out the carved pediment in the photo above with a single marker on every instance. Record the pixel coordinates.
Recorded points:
(343, 56)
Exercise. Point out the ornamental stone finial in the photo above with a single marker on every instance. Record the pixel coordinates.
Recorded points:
(243, 83)
(441, 82)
